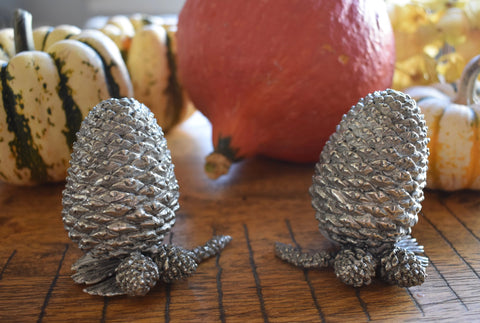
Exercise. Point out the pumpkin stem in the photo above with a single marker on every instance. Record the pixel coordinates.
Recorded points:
(217, 165)
(23, 34)
(466, 89)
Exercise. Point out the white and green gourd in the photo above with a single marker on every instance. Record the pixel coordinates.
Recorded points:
(148, 46)
(48, 84)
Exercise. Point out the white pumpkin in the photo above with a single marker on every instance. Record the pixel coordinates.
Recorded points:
(452, 114)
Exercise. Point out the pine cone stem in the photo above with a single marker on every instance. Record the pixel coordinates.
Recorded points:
(423, 261)
(296, 257)
(410, 244)
(211, 248)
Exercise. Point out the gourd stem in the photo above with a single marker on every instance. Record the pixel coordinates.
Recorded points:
(217, 165)
(466, 89)
(23, 34)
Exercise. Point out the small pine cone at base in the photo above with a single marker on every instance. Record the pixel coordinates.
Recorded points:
(137, 274)
(403, 268)
(354, 267)
(175, 263)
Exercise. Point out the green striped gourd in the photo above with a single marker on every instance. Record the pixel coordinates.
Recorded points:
(47, 91)
(148, 46)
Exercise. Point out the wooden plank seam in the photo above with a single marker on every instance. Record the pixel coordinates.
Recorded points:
(52, 286)
(361, 302)
(305, 274)
(450, 244)
(255, 276)
(103, 319)
(442, 202)
(7, 263)
(415, 301)
(458, 298)
(218, 278)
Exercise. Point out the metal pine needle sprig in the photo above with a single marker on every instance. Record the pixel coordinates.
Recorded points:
(119, 202)
(366, 191)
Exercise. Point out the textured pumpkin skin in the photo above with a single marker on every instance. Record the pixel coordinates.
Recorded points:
(7, 49)
(454, 131)
(45, 36)
(274, 77)
(45, 96)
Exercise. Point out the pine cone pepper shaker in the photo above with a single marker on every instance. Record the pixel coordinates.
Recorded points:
(120, 199)
(367, 190)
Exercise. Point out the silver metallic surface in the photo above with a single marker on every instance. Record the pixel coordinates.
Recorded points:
(211, 248)
(120, 199)
(368, 187)
(175, 263)
(136, 274)
(307, 260)
(355, 266)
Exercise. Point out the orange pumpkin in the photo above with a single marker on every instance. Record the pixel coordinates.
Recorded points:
(274, 77)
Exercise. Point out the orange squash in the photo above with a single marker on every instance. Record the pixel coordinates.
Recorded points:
(274, 77)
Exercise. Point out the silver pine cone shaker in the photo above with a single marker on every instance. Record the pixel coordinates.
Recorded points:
(366, 191)
(119, 202)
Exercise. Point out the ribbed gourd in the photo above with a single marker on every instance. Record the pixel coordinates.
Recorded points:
(452, 113)
(119, 202)
(148, 46)
(367, 191)
(46, 93)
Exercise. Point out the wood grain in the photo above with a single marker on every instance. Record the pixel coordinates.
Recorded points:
(261, 201)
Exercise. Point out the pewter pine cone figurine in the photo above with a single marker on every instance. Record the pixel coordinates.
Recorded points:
(119, 202)
(366, 191)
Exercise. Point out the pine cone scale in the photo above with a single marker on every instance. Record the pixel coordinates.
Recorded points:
(116, 162)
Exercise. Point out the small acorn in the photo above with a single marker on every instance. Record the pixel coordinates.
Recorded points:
(367, 192)
(119, 202)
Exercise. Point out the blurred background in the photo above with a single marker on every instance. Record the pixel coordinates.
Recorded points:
(77, 12)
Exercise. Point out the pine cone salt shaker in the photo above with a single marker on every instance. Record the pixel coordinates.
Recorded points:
(120, 200)
(367, 192)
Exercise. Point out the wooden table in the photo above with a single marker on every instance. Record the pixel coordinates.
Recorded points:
(261, 201)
